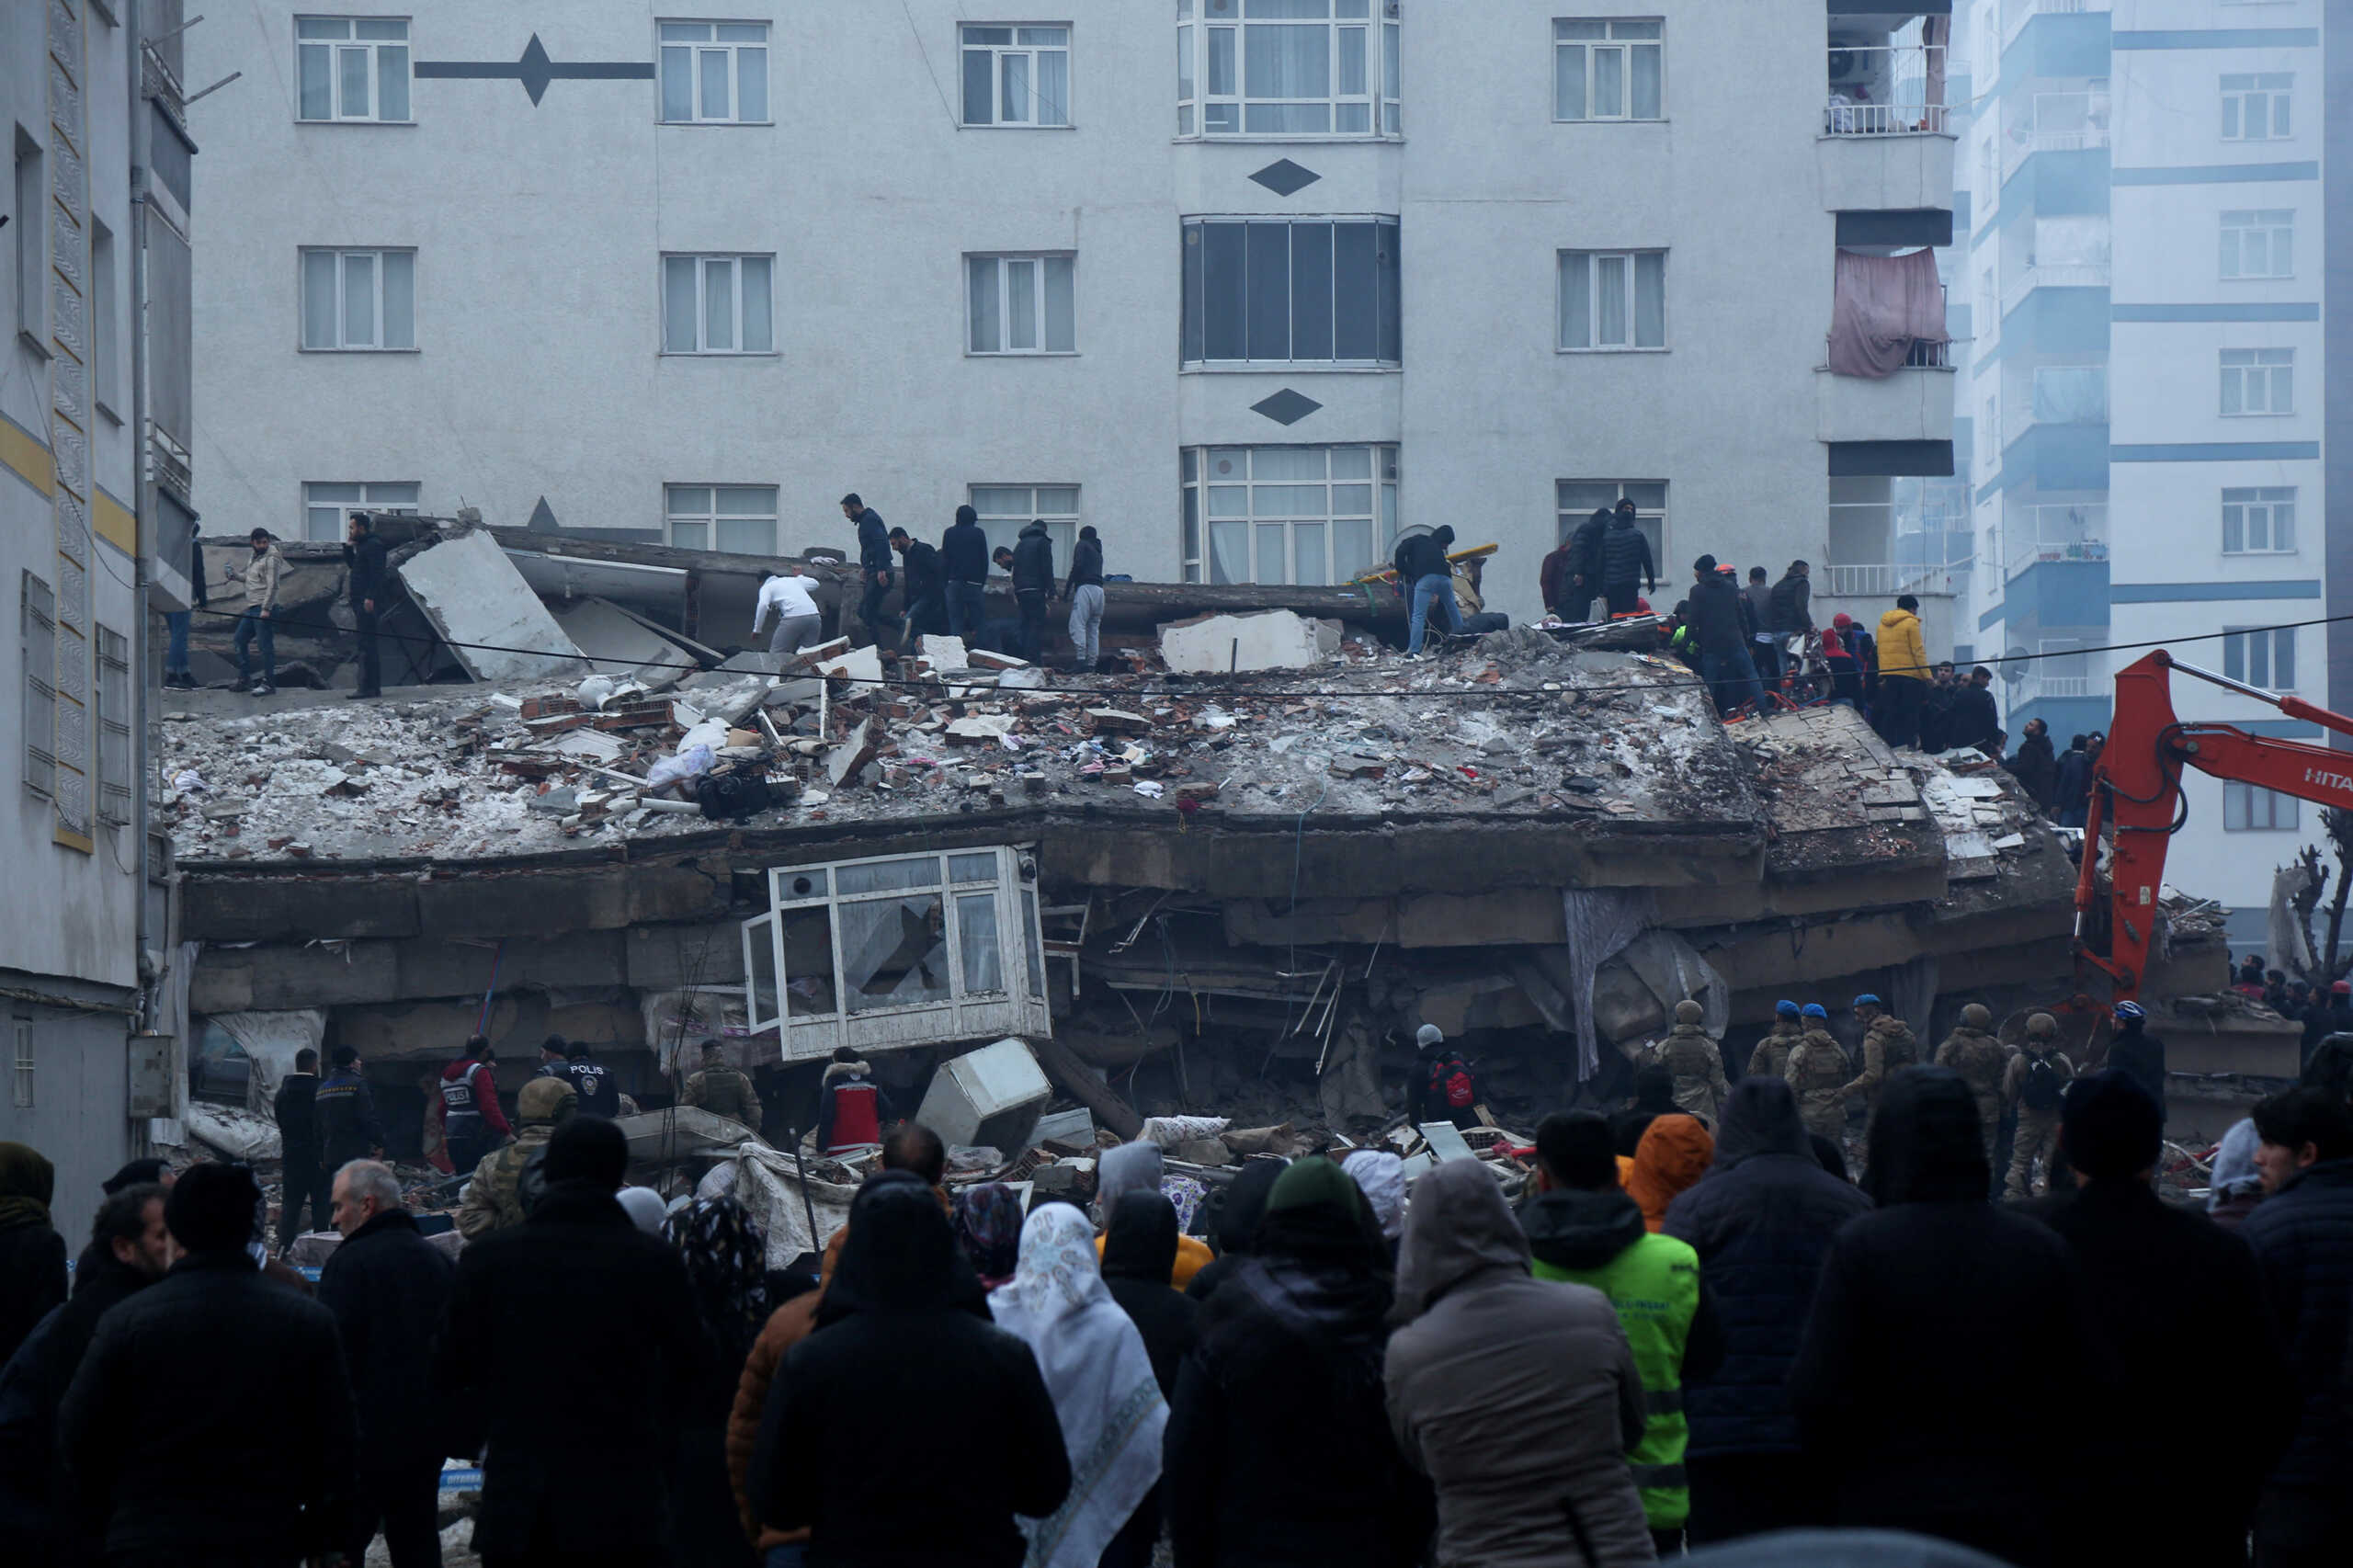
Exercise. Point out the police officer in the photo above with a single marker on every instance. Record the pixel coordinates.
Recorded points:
(721, 1090)
(506, 1184)
(598, 1095)
(348, 1124)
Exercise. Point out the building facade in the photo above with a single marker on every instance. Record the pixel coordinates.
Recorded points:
(1343, 271)
(94, 521)
(2150, 184)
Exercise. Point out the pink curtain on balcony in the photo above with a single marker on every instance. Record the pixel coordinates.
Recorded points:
(1881, 306)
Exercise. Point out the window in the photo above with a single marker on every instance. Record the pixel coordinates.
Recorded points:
(105, 329)
(1287, 68)
(1575, 500)
(2258, 381)
(2264, 656)
(1608, 70)
(902, 951)
(718, 304)
(715, 74)
(31, 232)
(1276, 292)
(1021, 305)
(2259, 521)
(37, 652)
(2259, 243)
(351, 68)
(114, 727)
(1305, 514)
(2255, 108)
(734, 519)
(1017, 75)
(356, 301)
(1005, 509)
(2249, 808)
(2071, 395)
(1989, 433)
(326, 506)
(1613, 298)
(24, 1064)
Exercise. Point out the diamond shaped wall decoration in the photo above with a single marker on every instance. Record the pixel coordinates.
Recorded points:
(1283, 177)
(1286, 407)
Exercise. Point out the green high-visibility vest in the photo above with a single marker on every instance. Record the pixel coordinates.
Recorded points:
(1654, 1285)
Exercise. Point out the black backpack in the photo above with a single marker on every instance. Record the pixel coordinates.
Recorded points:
(733, 795)
(2045, 1085)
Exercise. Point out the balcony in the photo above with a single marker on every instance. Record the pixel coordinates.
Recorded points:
(1913, 404)
(1884, 144)
(2055, 533)
(2056, 122)
(2016, 14)
(1885, 580)
(2071, 274)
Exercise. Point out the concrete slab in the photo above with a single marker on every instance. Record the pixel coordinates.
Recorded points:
(618, 644)
(495, 625)
(861, 666)
(1274, 639)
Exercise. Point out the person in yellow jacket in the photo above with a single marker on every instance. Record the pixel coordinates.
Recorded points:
(1904, 672)
(1125, 1169)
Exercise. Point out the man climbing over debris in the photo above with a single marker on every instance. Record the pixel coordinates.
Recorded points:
(851, 1108)
(1817, 1073)
(348, 1129)
(1887, 1045)
(798, 620)
(1692, 1055)
(721, 1090)
(1983, 1062)
(1444, 1088)
(472, 1121)
(1771, 1057)
(507, 1183)
(926, 594)
(2035, 1085)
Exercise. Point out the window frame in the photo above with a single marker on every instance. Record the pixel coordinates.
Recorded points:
(343, 256)
(2275, 223)
(37, 652)
(2277, 89)
(1197, 20)
(364, 503)
(1613, 43)
(1652, 519)
(1062, 527)
(1386, 321)
(334, 46)
(672, 516)
(2248, 500)
(997, 53)
(1040, 298)
(734, 49)
(2277, 362)
(29, 245)
(113, 711)
(2241, 644)
(702, 264)
(2239, 800)
(1197, 518)
(105, 320)
(1632, 258)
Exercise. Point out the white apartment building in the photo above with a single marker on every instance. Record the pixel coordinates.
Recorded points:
(2150, 184)
(94, 370)
(1249, 285)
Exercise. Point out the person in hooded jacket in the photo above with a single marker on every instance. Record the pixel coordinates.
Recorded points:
(1238, 1210)
(2004, 1302)
(32, 1254)
(1138, 1256)
(1033, 584)
(2180, 1303)
(1698, 1062)
(1817, 1070)
(1582, 1229)
(1983, 1063)
(2139, 1054)
(1715, 609)
(1674, 1153)
(1142, 1167)
(1653, 1098)
(1426, 578)
(1279, 1452)
(1585, 564)
(2236, 1186)
(1842, 649)
(1626, 562)
(1761, 1223)
(851, 1107)
(1902, 673)
(902, 1334)
(1485, 1348)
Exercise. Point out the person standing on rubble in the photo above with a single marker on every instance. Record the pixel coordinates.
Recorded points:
(721, 1089)
(1585, 564)
(2034, 766)
(1444, 1088)
(589, 1080)
(303, 1173)
(367, 577)
(1033, 584)
(263, 571)
(1887, 1046)
(1085, 592)
(2139, 1054)
(1817, 1072)
(1771, 1057)
(1790, 603)
(2034, 1085)
(964, 558)
(1902, 673)
(874, 562)
(1717, 621)
(1758, 597)
(1553, 580)
(508, 1184)
(472, 1121)
(798, 622)
(2071, 783)
(926, 594)
(851, 1107)
(1692, 1055)
(347, 1127)
(1626, 562)
(1983, 1063)
(1486, 1348)
(1426, 577)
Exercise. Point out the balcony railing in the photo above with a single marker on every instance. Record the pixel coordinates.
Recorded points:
(1884, 580)
(2058, 532)
(2024, 140)
(2038, 684)
(1886, 90)
(2068, 274)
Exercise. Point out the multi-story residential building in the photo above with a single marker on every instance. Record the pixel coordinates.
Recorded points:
(1349, 268)
(2150, 250)
(95, 525)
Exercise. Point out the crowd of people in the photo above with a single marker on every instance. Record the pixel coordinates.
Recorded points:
(1693, 1329)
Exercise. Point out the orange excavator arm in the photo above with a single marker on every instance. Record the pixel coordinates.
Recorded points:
(2136, 790)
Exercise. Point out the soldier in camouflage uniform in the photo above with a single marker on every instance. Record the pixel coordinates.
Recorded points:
(1817, 1072)
(2032, 1084)
(1887, 1045)
(1697, 1064)
(1771, 1057)
(1973, 1051)
(498, 1195)
(721, 1090)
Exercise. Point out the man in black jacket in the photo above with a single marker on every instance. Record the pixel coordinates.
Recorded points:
(1971, 720)
(2138, 1055)
(2303, 1237)
(964, 560)
(1625, 561)
(363, 560)
(2033, 766)
(1791, 602)
(1585, 564)
(296, 1109)
(1033, 584)
(348, 1129)
(874, 561)
(1720, 628)
(927, 594)
(2071, 783)
(210, 1421)
(1426, 578)
(1761, 1221)
(530, 1306)
(2180, 1304)
(387, 1287)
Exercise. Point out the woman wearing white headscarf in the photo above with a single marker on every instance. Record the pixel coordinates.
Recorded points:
(1094, 1366)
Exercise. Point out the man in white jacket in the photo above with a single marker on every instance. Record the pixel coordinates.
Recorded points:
(797, 622)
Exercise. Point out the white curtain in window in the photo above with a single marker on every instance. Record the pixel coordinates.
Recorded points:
(1287, 62)
(1054, 88)
(318, 299)
(359, 302)
(1062, 305)
(759, 327)
(679, 303)
(1576, 299)
(1021, 305)
(981, 289)
(1649, 299)
(400, 299)
(1609, 302)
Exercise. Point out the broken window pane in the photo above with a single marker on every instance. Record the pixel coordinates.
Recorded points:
(894, 950)
(809, 988)
(882, 876)
(1031, 947)
(976, 941)
(980, 868)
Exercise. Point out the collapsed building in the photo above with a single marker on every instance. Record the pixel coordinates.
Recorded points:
(1234, 877)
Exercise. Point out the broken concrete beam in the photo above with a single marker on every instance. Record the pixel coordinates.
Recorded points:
(861, 666)
(618, 644)
(482, 609)
(946, 653)
(801, 691)
(846, 760)
(986, 659)
(1081, 1084)
(1118, 720)
(980, 729)
(822, 651)
(1273, 639)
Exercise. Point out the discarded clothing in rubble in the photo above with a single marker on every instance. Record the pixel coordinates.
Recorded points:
(669, 770)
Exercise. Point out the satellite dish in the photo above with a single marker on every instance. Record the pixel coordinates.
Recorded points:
(2013, 671)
